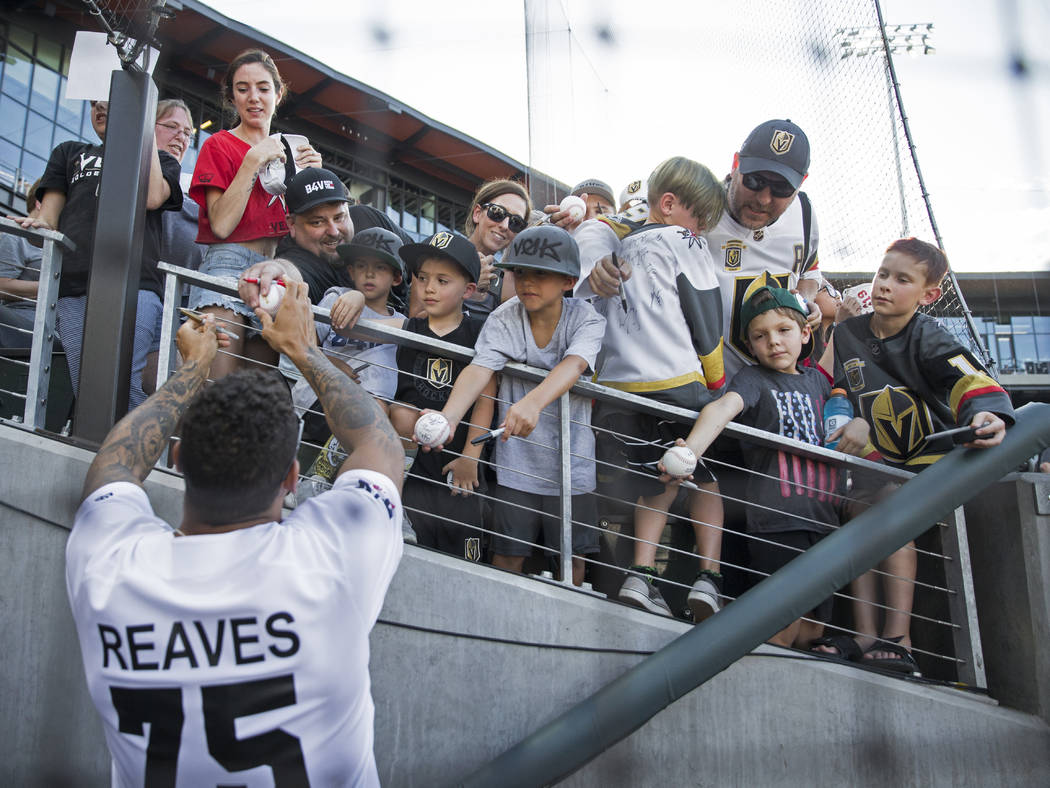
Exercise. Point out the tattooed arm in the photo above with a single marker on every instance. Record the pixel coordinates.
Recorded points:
(137, 440)
(356, 421)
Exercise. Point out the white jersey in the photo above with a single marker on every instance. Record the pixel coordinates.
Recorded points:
(670, 333)
(742, 255)
(241, 657)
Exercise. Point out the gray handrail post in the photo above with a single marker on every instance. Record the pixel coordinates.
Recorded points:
(564, 431)
(169, 323)
(42, 347)
(962, 603)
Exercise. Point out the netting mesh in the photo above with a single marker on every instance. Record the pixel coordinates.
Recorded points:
(823, 65)
(131, 24)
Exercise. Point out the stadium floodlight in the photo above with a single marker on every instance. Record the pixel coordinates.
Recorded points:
(912, 39)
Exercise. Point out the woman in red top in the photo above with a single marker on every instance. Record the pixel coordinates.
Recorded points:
(239, 220)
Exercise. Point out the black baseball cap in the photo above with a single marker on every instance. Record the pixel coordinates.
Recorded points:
(452, 246)
(776, 146)
(374, 242)
(311, 187)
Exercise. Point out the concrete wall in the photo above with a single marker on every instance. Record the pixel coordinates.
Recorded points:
(462, 668)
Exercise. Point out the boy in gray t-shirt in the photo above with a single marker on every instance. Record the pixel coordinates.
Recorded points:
(542, 328)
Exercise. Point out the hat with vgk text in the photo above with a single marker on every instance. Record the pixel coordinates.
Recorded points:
(451, 246)
(313, 186)
(544, 248)
(374, 242)
(777, 146)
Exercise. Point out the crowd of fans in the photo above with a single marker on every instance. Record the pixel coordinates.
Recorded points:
(692, 291)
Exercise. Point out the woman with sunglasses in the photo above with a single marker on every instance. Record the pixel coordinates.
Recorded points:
(499, 212)
(239, 220)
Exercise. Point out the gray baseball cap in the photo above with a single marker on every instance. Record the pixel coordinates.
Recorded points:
(597, 188)
(544, 248)
(776, 146)
(374, 242)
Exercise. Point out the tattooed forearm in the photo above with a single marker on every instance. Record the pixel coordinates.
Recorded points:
(347, 406)
(137, 441)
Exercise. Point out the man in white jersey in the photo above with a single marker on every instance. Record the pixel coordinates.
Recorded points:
(768, 228)
(234, 649)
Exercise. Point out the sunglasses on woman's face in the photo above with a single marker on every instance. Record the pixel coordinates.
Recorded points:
(777, 187)
(498, 213)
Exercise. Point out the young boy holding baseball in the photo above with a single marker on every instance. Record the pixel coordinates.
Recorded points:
(663, 342)
(440, 485)
(898, 361)
(799, 496)
(542, 328)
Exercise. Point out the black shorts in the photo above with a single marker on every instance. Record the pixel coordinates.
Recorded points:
(526, 516)
(637, 441)
(449, 523)
(768, 558)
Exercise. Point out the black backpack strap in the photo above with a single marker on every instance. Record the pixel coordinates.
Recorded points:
(807, 225)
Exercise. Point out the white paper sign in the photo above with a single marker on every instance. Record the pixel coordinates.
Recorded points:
(91, 66)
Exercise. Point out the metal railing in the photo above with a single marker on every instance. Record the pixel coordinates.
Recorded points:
(43, 335)
(945, 615)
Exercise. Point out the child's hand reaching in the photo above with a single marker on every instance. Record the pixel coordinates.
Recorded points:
(990, 435)
(347, 310)
(464, 472)
(521, 420)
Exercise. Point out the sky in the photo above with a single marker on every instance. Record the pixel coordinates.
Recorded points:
(610, 74)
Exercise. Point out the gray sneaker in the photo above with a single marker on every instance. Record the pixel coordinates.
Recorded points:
(408, 533)
(703, 599)
(640, 592)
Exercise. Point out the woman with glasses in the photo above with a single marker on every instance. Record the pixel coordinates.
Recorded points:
(499, 212)
(239, 221)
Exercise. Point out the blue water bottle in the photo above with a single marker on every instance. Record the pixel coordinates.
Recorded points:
(837, 413)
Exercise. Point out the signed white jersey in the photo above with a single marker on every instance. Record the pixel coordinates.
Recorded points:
(741, 256)
(235, 658)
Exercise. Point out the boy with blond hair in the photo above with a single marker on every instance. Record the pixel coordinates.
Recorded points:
(663, 341)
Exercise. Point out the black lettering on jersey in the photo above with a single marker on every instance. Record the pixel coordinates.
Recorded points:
(284, 634)
(239, 640)
(111, 642)
(134, 646)
(743, 287)
(212, 654)
(171, 653)
(800, 260)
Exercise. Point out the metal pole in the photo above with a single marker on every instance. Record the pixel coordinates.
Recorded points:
(618, 709)
(116, 258)
(566, 489)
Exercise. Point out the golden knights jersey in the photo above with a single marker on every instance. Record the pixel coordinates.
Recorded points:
(670, 334)
(911, 385)
(742, 256)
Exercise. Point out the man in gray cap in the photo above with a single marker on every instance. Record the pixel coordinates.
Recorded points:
(768, 235)
(599, 197)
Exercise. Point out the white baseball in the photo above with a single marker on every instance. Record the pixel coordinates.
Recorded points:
(431, 430)
(574, 206)
(679, 461)
(271, 302)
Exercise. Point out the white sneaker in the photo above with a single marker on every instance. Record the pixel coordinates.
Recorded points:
(640, 592)
(703, 599)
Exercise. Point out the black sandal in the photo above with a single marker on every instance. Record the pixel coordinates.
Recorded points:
(847, 648)
(904, 662)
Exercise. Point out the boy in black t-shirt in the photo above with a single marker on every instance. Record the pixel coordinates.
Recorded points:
(439, 487)
(798, 496)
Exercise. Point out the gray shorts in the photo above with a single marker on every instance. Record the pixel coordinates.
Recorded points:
(527, 516)
(228, 261)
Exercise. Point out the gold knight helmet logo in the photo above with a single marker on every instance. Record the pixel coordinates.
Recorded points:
(441, 240)
(439, 372)
(781, 142)
(734, 254)
(901, 423)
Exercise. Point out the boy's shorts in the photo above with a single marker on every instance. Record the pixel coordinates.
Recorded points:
(636, 439)
(449, 523)
(525, 516)
(768, 558)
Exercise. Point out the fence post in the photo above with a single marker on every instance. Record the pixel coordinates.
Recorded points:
(41, 360)
(966, 634)
(566, 489)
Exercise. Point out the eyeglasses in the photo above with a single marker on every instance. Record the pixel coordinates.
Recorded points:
(777, 187)
(177, 130)
(498, 213)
